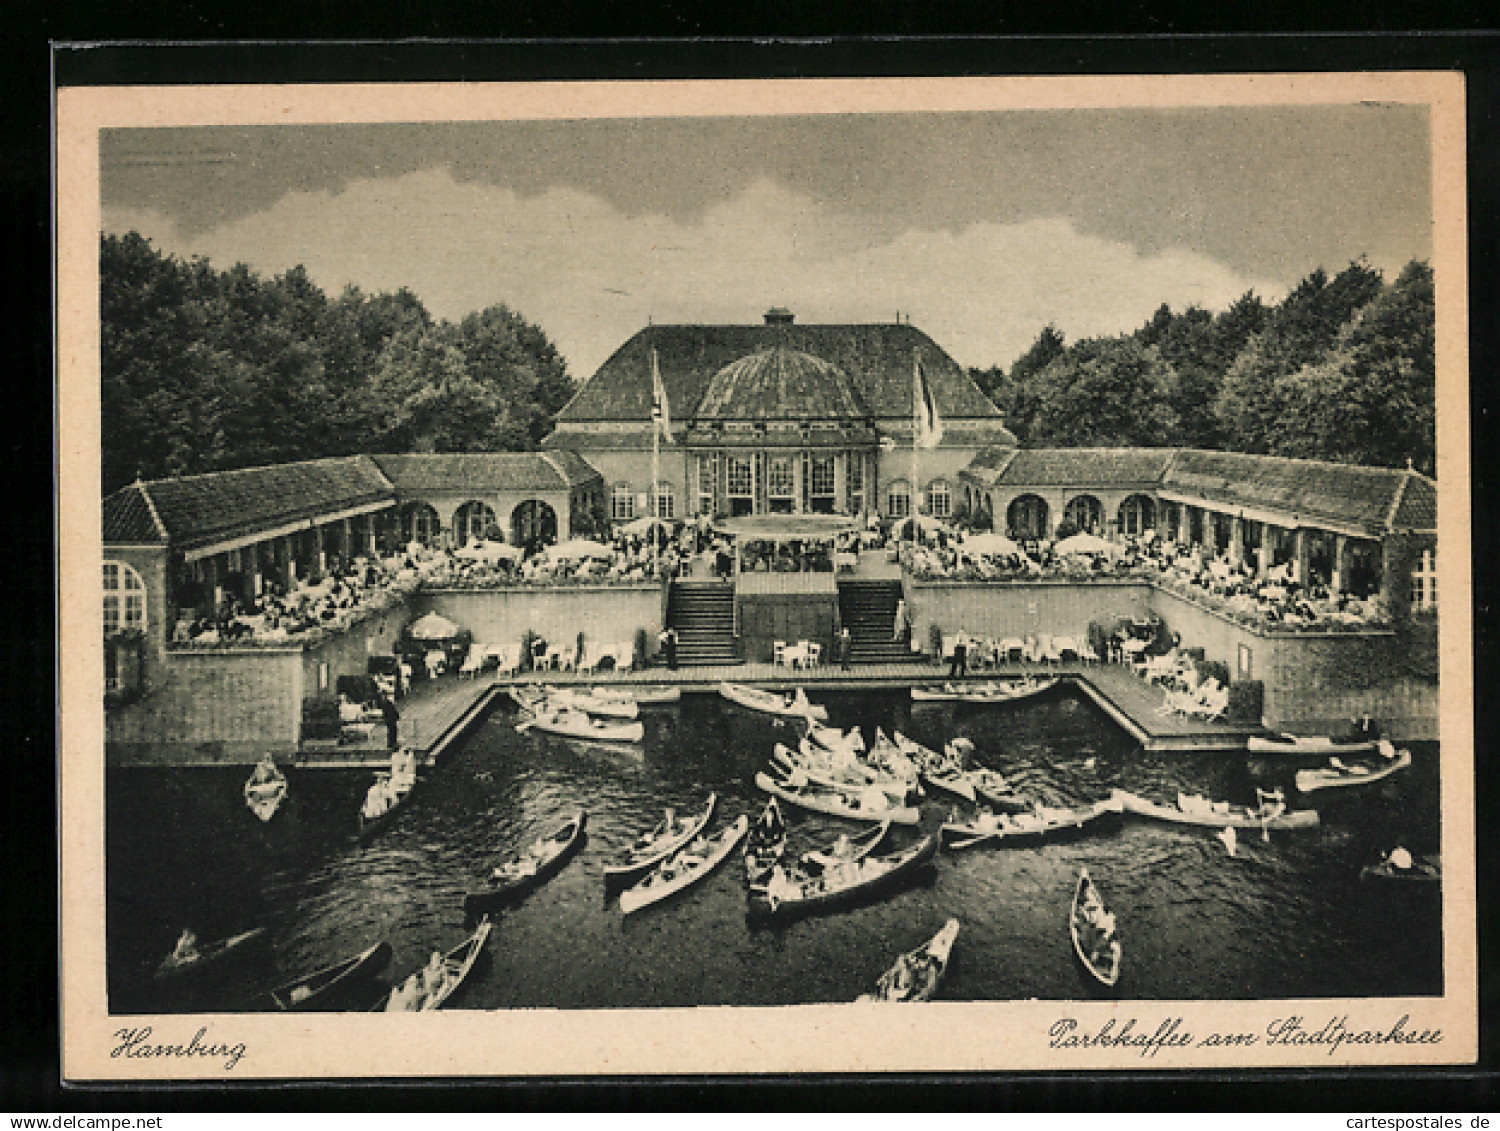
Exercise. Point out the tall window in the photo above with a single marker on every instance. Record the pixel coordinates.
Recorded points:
(939, 499)
(124, 599)
(1137, 514)
(854, 480)
(1424, 582)
(821, 477)
(706, 473)
(1084, 512)
(898, 500)
(422, 523)
(622, 503)
(741, 486)
(666, 503)
(781, 484)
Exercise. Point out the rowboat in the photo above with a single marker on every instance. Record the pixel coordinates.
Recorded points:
(387, 795)
(836, 804)
(788, 705)
(1320, 746)
(652, 847)
(917, 973)
(1008, 692)
(847, 849)
(528, 696)
(1195, 810)
(807, 765)
(938, 771)
(266, 789)
(189, 958)
(571, 723)
(1093, 929)
(787, 893)
(605, 706)
(534, 867)
(850, 743)
(1338, 775)
(1428, 869)
(988, 785)
(684, 868)
(765, 844)
(323, 987)
(428, 988)
(641, 696)
(1038, 824)
(887, 758)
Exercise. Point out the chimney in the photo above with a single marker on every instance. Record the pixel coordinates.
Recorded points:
(779, 316)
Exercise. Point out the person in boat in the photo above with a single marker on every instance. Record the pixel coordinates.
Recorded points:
(1385, 748)
(186, 949)
(1272, 803)
(842, 848)
(265, 771)
(1399, 859)
(433, 974)
(1099, 918)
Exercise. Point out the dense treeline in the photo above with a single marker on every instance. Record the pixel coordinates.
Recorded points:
(1341, 369)
(205, 370)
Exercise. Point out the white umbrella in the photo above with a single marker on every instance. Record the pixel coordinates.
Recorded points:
(1082, 544)
(580, 548)
(926, 522)
(434, 626)
(641, 525)
(996, 544)
(488, 551)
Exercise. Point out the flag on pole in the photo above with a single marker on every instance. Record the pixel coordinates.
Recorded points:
(660, 415)
(928, 427)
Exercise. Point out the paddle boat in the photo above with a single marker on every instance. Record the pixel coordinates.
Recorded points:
(847, 849)
(188, 957)
(1095, 938)
(1011, 691)
(542, 860)
(1193, 809)
(917, 973)
(1038, 823)
(765, 844)
(1340, 775)
(1401, 865)
(266, 789)
(656, 844)
(1315, 746)
(390, 791)
(684, 868)
(788, 892)
(873, 804)
(793, 705)
(326, 987)
(428, 988)
(571, 723)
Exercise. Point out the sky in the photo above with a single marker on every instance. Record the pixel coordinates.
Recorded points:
(981, 228)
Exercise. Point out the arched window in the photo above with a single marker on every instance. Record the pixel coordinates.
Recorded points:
(897, 499)
(1026, 517)
(124, 599)
(622, 503)
(666, 502)
(420, 523)
(939, 499)
(1137, 514)
(781, 485)
(474, 521)
(1084, 512)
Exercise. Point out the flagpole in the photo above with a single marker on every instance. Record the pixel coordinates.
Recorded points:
(655, 464)
(916, 409)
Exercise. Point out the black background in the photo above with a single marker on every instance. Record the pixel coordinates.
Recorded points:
(874, 39)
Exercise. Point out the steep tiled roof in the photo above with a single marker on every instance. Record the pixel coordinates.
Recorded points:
(876, 357)
(198, 510)
(1098, 467)
(1416, 509)
(481, 472)
(779, 384)
(1314, 490)
(128, 517)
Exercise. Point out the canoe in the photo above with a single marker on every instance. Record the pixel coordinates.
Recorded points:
(407, 997)
(370, 827)
(887, 758)
(1339, 777)
(936, 770)
(538, 864)
(174, 967)
(850, 743)
(819, 770)
(528, 696)
(580, 724)
(1097, 948)
(789, 893)
(651, 848)
(1031, 826)
(1315, 745)
(684, 868)
(605, 706)
(774, 703)
(1210, 815)
(982, 692)
(917, 973)
(265, 796)
(988, 785)
(765, 844)
(641, 696)
(1424, 869)
(847, 850)
(836, 804)
(322, 988)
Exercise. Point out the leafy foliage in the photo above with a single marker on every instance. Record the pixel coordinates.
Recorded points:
(206, 370)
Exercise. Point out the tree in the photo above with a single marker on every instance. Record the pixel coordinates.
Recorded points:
(513, 358)
(1025, 381)
(1106, 392)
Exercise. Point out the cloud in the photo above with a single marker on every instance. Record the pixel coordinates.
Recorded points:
(591, 275)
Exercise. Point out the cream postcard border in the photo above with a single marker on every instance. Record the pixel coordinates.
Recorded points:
(991, 1037)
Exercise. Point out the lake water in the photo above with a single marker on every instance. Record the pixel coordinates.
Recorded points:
(1288, 917)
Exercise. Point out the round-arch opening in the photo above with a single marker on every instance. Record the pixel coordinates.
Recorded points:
(533, 523)
(475, 521)
(420, 523)
(1084, 512)
(1137, 514)
(1026, 517)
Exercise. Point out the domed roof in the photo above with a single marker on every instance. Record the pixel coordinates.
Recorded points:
(780, 383)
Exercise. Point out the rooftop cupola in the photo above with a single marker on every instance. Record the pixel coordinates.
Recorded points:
(779, 316)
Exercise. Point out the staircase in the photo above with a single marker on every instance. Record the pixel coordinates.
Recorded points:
(868, 611)
(702, 613)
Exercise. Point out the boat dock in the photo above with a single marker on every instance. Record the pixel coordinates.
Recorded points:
(434, 716)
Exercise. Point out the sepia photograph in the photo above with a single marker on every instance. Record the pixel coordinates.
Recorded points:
(655, 570)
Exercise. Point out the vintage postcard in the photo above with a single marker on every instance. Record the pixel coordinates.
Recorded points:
(765, 577)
